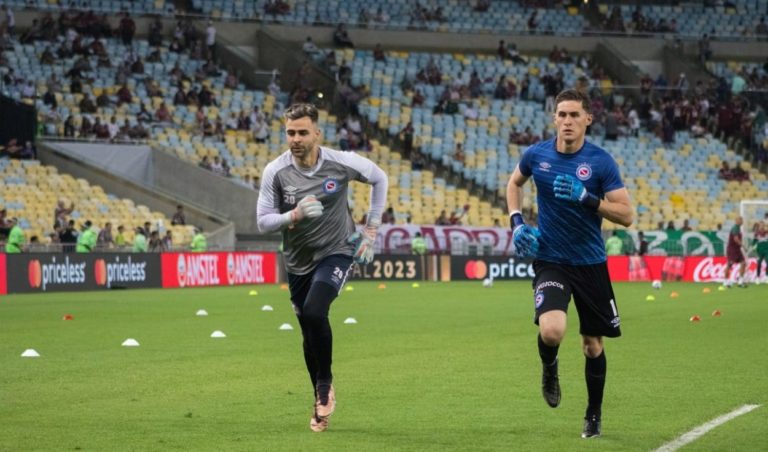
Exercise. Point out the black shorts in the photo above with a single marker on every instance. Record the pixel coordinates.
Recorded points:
(592, 293)
(332, 270)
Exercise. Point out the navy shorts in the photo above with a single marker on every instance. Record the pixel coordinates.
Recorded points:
(332, 270)
(592, 293)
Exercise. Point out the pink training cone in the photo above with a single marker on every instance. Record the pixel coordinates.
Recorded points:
(695, 318)
(716, 313)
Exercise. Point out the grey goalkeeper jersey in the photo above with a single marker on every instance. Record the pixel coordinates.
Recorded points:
(283, 185)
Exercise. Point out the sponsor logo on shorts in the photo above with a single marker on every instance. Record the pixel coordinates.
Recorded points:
(584, 171)
(616, 322)
(546, 284)
(331, 186)
(538, 299)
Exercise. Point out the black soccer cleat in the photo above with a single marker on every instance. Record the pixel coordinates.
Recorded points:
(550, 385)
(591, 427)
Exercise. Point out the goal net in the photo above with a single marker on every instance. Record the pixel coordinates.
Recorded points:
(753, 211)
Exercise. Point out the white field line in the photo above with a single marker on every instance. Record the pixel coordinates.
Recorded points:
(701, 430)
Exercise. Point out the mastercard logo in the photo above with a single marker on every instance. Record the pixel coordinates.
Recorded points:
(34, 273)
(476, 269)
(100, 272)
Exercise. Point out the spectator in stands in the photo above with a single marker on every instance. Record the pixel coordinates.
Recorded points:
(68, 237)
(28, 152)
(12, 149)
(725, 172)
(124, 95)
(686, 226)
(156, 244)
(120, 240)
(705, 49)
(205, 163)
(311, 50)
(671, 226)
(102, 101)
(482, 6)
(105, 239)
(260, 131)
(5, 226)
(533, 23)
(162, 114)
(739, 174)
(168, 240)
(179, 219)
(127, 29)
(10, 21)
(210, 40)
(378, 54)
(442, 219)
(216, 165)
(341, 37)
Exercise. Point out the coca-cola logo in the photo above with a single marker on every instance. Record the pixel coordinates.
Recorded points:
(709, 270)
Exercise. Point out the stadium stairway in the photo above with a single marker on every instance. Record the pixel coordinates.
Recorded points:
(165, 182)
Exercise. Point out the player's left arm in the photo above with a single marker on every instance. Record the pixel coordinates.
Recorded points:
(366, 171)
(617, 207)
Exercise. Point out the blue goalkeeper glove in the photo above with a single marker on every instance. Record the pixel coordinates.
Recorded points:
(525, 237)
(568, 188)
(363, 242)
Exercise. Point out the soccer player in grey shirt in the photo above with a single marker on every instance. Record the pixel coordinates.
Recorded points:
(304, 195)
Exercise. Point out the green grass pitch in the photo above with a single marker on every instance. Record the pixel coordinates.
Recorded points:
(446, 366)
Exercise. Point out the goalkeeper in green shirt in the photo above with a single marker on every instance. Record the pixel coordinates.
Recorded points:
(15, 242)
(86, 242)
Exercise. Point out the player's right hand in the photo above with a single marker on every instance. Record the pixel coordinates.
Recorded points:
(526, 240)
(308, 207)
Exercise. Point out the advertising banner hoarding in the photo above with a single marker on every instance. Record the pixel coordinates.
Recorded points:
(44, 272)
(218, 269)
(3, 286)
(394, 268)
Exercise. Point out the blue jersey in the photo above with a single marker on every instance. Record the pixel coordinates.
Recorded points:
(570, 232)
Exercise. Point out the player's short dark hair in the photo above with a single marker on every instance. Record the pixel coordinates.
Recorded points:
(574, 94)
(301, 110)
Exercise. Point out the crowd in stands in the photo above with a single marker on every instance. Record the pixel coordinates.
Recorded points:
(741, 19)
(67, 236)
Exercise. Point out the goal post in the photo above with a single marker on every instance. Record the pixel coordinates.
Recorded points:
(752, 211)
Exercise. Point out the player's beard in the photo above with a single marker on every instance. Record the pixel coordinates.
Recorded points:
(302, 153)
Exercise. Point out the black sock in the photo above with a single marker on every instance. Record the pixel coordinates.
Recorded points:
(309, 357)
(547, 353)
(594, 373)
(315, 316)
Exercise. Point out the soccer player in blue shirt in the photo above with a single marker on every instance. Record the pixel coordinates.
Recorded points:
(578, 184)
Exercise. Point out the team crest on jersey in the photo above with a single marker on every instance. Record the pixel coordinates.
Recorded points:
(331, 186)
(584, 171)
(538, 299)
